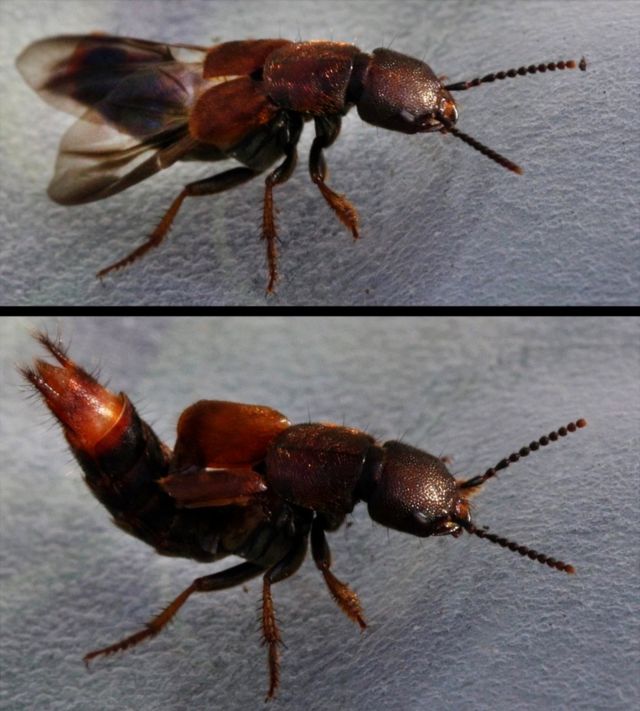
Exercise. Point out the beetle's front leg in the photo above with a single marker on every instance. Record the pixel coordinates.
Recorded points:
(346, 598)
(327, 130)
(208, 186)
(270, 632)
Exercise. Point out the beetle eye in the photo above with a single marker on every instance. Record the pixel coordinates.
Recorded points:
(439, 526)
(423, 518)
(430, 525)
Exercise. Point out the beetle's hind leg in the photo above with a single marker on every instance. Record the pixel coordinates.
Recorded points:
(218, 581)
(208, 186)
(327, 130)
(346, 598)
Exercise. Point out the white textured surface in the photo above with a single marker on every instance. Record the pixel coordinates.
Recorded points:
(440, 223)
(453, 623)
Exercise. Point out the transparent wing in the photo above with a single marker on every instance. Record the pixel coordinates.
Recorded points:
(71, 72)
(137, 129)
(133, 99)
(96, 161)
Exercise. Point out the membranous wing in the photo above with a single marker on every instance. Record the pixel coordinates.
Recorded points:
(133, 98)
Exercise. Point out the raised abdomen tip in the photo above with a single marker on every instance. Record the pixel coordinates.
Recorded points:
(86, 410)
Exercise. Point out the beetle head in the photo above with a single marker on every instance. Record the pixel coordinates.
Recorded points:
(414, 492)
(403, 94)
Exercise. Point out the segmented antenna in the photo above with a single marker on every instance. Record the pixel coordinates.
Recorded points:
(500, 160)
(521, 71)
(509, 74)
(522, 550)
(524, 452)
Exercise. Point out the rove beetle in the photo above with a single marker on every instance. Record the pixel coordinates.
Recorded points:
(242, 480)
(144, 105)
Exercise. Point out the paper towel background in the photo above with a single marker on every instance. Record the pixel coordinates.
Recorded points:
(440, 223)
(452, 623)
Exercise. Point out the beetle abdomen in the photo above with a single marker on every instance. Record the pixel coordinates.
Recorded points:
(318, 466)
(122, 459)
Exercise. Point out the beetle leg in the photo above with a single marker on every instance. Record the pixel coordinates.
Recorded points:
(347, 600)
(218, 581)
(208, 186)
(270, 632)
(327, 130)
(278, 176)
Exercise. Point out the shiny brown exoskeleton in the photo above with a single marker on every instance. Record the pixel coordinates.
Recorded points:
(242, 480)
(145, 105)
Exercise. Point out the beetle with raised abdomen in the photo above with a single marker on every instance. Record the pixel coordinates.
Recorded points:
(242, 480)
(145, 105)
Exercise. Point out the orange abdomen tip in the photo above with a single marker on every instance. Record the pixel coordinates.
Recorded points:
(86, 410)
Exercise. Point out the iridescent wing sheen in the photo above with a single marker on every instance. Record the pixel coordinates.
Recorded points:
(133, 98)
(71, 72)
(137, 129)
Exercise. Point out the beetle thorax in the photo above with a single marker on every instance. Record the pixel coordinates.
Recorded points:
(310, 78)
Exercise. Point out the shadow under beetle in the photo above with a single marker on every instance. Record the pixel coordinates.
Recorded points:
(144, 105)
(242, 480)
